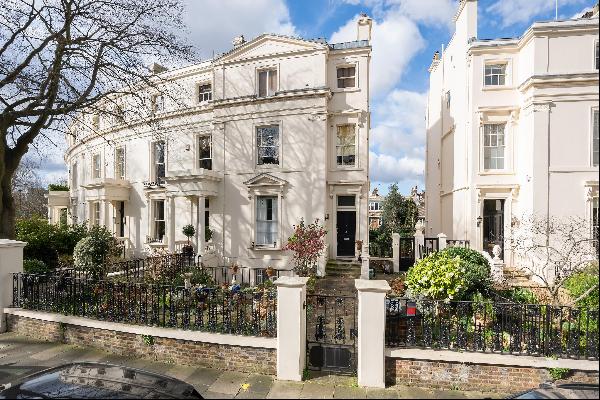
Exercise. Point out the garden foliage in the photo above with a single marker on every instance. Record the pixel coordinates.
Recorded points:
(35, 267)
(93, 252)
(584, 282)
(307, 243)
(47, 242)
(450, 274)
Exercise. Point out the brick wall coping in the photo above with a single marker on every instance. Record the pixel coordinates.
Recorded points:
(491, 359)
(195, 336)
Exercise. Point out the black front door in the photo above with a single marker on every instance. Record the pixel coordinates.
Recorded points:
(121, 218)
(346, 233)
(493, 224)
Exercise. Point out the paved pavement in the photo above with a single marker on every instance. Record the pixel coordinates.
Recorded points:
(21, 356)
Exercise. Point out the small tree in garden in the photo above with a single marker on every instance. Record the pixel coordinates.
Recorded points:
(307, 243)
(93, 252)
(553, 249)
(188, 231)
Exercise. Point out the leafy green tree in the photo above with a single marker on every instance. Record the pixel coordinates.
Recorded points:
(95, 251)
(399, 213)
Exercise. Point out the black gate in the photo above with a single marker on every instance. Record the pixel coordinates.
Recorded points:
(406, 253)
(331, 332)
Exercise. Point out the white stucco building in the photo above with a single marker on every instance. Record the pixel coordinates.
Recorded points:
(512, 128)
(273, 131)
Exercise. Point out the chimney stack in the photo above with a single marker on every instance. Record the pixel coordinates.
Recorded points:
(365, 24)
(238, 41)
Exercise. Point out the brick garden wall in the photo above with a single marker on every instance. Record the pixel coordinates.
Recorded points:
(209, 355)
(467, 376)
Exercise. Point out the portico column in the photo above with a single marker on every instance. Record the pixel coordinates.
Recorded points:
(201, 229)
(171, 223)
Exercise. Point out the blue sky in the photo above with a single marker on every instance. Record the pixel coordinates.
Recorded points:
(405, 35)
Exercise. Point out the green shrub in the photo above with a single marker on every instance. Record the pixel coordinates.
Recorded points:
(35, 267)
(477, 271)
(580, 282)
(47, 242)
(558, 373)
(58, 187)
(438, 276)
(519, 295)
(94, 251)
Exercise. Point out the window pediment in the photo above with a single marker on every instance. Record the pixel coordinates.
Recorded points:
(265, 180)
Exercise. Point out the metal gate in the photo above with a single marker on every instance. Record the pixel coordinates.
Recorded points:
(407, 253)
(331, 333)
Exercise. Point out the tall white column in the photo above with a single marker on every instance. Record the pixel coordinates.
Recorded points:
(291, 327)
(201, 229)
(396, 252)
(171, 223)
(371, 332)
(11, 260)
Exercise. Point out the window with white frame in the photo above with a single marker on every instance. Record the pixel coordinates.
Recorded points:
(267, 145)
(96, 213)
(595, 138)
(204, 92)
(205, 152)
(158, 103)
(96, 166)
(495, 75)
(266, 221)
(74, 177)
(267, 82)
(120, 163)
(158, 219)
(345, 146)
(346, 76)
(494, 145)
(158, 161)
(374, 206)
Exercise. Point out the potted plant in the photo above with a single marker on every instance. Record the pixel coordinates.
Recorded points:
(188, 231)
(270, 271)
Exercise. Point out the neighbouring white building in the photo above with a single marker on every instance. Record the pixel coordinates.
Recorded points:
(273, 131)
(512, 128)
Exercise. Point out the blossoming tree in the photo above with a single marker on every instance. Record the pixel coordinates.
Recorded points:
(307, 243)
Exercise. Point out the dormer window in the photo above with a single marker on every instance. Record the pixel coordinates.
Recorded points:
(204, 93)
(267, 82)
(346, 77)
(495, 74)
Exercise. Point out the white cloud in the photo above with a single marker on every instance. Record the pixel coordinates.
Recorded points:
(398, 137)
(212, 24)
(395, 40)
(520, 11)
(424, 11)
(387, 169)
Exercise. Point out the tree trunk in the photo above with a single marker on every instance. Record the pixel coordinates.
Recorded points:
(7, 209)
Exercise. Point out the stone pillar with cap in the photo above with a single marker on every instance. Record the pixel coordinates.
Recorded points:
(371, 332)
(11, 261)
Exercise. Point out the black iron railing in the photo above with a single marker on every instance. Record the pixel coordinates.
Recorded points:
(506, 328)
(240, 312)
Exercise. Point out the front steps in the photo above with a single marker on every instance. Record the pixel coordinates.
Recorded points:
(339, 278)
(517, 277)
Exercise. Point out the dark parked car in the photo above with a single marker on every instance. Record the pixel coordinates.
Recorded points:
(88, 380)
(561, 391)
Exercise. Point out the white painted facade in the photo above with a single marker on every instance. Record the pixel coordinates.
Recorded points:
(251, 185)
(540, 93)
